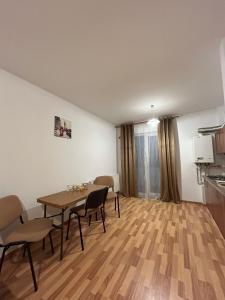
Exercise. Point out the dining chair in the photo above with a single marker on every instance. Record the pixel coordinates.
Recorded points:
(108, 181)
(94, 203)
(24, 233)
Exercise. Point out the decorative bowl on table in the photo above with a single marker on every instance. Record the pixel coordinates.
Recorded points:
(82, 188)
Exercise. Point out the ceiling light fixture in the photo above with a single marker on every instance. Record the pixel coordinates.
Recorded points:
(154, 121)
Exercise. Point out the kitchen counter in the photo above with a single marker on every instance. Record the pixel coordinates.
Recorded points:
(216, 186)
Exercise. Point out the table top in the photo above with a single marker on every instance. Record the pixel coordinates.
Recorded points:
(67, 198)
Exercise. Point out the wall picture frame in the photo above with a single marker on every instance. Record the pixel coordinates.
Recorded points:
(62, 128)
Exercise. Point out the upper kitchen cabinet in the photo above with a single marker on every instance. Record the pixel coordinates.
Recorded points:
(220, 141)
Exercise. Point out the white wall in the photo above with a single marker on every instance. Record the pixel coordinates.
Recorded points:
(222, 58)
(33, 161)
(187, 128)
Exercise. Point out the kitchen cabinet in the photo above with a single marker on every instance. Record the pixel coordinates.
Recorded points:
(215, 201)
(220, 141)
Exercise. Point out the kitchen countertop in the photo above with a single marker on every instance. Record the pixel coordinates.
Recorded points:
(220, 189)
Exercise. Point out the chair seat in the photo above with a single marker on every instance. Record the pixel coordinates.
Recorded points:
(80, 210)
(111, 195)
(31, 231)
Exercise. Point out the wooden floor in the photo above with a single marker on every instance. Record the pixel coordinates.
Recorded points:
(155, 251)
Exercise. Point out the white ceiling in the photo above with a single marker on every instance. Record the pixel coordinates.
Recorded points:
(116, 58)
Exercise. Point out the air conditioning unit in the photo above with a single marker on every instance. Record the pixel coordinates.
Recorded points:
(203, 149)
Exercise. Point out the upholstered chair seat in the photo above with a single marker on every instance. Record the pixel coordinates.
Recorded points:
(31, 231)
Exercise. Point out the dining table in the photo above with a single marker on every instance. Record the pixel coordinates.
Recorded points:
(62, 201)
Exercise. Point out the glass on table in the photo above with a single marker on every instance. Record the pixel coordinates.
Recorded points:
(85, 185)
(69, 187)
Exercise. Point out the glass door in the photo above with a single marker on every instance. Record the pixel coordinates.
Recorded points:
(147, 161)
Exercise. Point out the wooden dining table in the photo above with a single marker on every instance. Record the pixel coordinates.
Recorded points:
(62, 201)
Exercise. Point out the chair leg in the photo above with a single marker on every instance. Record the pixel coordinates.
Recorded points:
(115, 203)
(96, 216)
(32, 267)
(104, 211)
(43, 244)
(103, 219)
(68, 227)
(89, 220)
(118, 205)
(81, 237)
(24, 250)
(2, 258)
(51, 243)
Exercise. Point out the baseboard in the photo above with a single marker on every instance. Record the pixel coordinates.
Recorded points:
(192, 202)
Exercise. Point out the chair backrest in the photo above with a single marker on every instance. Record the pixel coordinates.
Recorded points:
(10, 209)
(96, 198)
(105, 180)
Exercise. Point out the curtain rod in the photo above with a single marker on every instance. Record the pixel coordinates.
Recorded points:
(143, 122)
(134, 123)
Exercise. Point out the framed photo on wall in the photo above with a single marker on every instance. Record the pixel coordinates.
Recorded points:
(63, 128)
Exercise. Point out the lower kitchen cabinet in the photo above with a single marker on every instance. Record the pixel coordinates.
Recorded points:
(215, 201)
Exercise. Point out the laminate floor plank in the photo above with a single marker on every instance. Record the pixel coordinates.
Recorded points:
(155, 251)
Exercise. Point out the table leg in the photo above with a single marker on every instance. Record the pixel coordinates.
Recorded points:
(118, 205)
(45, 213)
(62, 227)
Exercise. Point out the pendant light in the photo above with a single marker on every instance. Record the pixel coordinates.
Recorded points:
(153, 121)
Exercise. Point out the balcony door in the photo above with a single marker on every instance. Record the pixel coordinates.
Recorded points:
(147, 161)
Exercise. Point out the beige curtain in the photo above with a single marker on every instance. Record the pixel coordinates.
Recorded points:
(128, 169)
(167, 152)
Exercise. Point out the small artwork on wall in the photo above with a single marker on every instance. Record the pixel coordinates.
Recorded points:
(63, 128)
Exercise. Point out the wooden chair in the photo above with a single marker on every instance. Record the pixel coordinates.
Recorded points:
(23, 234)
(108, 181)
(94, 203)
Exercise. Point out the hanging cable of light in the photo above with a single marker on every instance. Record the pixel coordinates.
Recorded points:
(154, 121)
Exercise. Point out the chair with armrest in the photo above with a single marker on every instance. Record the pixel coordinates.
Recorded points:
(23, 234)
(94, 203)
(108, 181)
